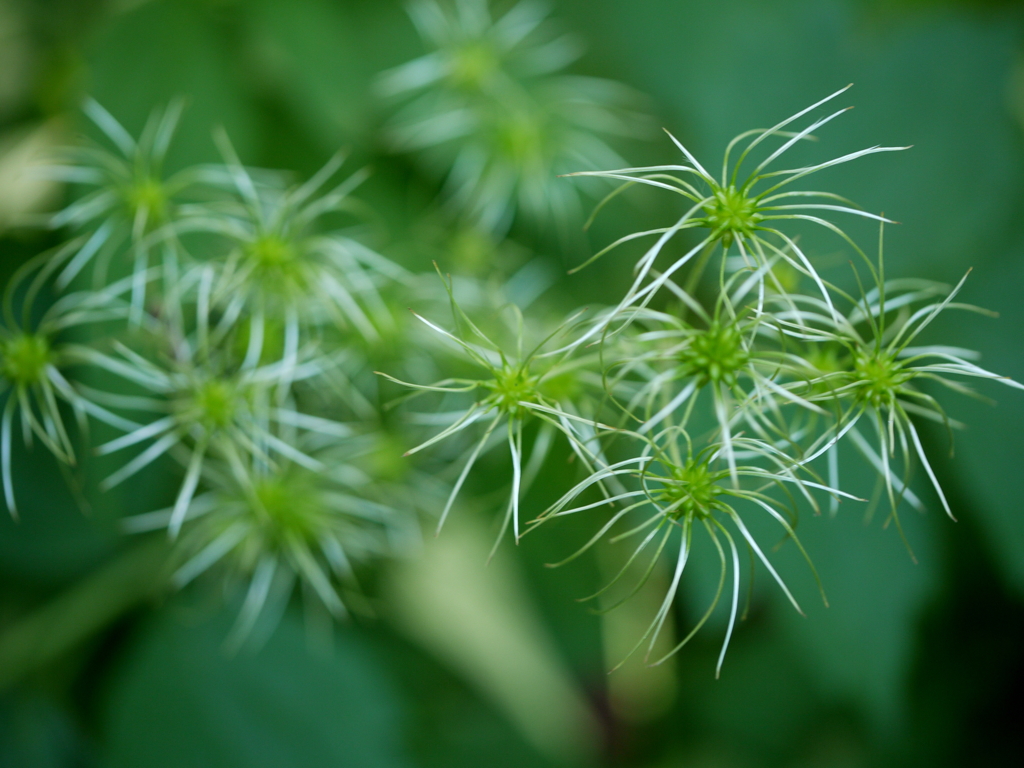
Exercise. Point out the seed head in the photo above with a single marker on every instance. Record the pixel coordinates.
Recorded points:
(880, 375)
(731, 213)
(715, 355)
(23, 359)
(512, 386)
(690, 490)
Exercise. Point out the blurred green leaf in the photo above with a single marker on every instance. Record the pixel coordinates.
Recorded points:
(36, 734)
(48, 633)
(54, 540)
(858, 651)
(144, 57)
(986, 468)
(765, 698)
(475, 616)
(179, 700)
(306, 53)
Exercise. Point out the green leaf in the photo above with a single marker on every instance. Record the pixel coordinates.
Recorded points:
(860, 648)
(307, 54)
(36, 734)
(985, 471)
(178, 699)
(151, 54)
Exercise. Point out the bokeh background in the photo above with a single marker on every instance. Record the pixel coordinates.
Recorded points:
(913, 664)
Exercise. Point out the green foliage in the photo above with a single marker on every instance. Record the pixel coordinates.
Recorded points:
(252, 256)
(197, 335)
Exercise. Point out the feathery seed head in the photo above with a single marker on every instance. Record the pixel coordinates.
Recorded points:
(283, 261)
(681, 495)
(271, 526)
(490, 106)
(516, 396)
(748, 212)
(33, 383)
(128, 203)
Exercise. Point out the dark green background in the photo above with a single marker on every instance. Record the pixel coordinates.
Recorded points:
(911, 665)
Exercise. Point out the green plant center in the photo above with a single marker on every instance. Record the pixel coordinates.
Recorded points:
(291, 510)
(512, 386)
(732, 213)
(473, 65)
(715, 355)
(277, 266)
(692, 490)
(147, 195)
(520, 139)
(213, 404)
(272, 254)
(23, 359)
(880, 376)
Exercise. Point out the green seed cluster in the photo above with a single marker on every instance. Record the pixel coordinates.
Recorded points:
(511, 387)
(716, 355)
(879, 376)
(24, 358)
(692, 489)
(732, 213)
(717, 387)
